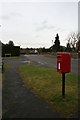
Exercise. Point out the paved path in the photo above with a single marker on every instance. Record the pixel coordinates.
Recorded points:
(19, 101)
(0, 95)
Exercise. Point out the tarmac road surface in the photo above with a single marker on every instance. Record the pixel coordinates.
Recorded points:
(52, 62)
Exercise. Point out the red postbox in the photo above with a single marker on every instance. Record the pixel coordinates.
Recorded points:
(63, 62)
(63, 66)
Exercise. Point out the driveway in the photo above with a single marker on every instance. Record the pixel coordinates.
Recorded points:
(18, 100)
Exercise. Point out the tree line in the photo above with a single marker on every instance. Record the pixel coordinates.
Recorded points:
(73, 45)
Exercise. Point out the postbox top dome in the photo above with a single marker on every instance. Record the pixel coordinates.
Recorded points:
(63, 54)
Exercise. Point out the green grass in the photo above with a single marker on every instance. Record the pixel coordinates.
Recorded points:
(47, 83)
(0, 82)
(0, 76)
(6, 66)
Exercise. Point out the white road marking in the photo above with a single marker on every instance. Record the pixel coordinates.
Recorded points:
(40, 63)
(27, 61)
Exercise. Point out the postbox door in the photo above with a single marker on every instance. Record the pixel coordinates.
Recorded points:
(66, 63)
(59, 62)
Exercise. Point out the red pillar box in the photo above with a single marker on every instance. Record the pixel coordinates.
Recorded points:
(63, 66)
(63, 62)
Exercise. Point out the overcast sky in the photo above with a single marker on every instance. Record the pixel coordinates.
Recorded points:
(35, 24)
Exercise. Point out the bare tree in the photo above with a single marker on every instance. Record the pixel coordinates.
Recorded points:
(78, 43)
(11, 43)
(72, 40)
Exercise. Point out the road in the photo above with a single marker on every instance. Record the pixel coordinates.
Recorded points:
(52, 62)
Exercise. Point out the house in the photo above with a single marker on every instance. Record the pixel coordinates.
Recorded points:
(53, 49)
(9, 50)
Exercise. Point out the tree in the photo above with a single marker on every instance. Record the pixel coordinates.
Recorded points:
(11, 43)
(57, 43)
(72, 40)
(78, 43)
(68, 49)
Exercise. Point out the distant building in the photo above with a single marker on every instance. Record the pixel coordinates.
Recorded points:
(62, 48)
(28, 51)
(24, 51)
(8, 50)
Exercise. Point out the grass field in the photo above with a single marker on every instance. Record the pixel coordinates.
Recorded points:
(46, 82)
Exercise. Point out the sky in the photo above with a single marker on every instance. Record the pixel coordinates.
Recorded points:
(35, 24)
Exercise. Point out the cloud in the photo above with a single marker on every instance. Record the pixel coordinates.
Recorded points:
(45, 26)
(10, 15)
(44, 22)
(4, 17)
(37, 36)
(15, 14)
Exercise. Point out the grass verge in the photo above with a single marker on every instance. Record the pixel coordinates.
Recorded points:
(0, 82)
(5, 67)
(46, 82)
(0, 76)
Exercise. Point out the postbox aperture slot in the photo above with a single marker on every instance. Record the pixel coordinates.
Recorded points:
(59, 56)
